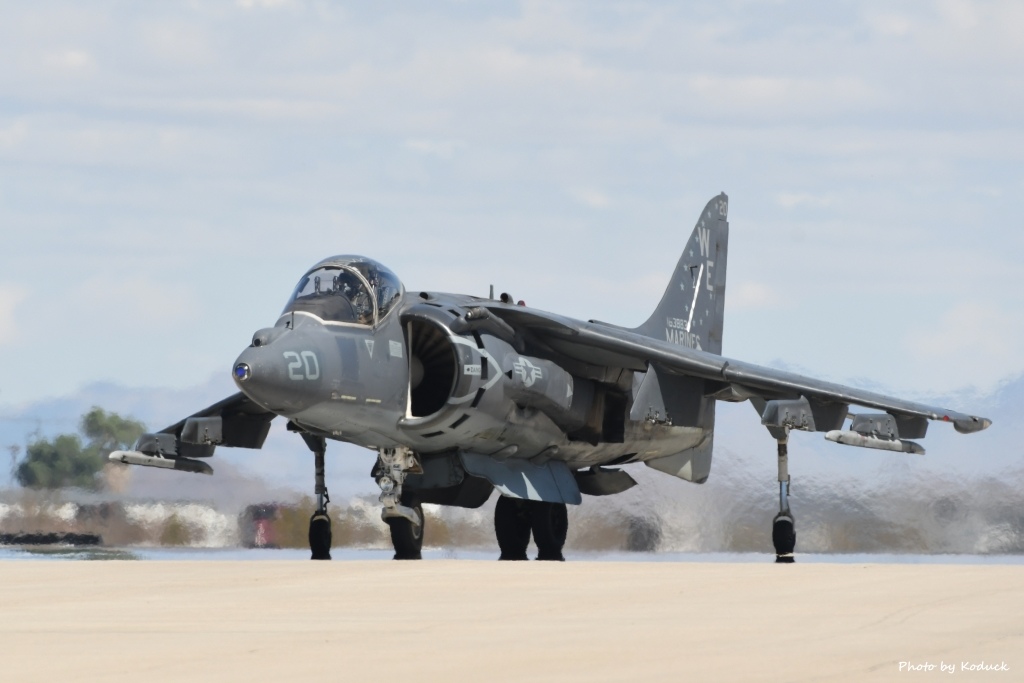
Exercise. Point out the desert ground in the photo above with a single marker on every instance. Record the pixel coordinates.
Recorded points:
(459, 620)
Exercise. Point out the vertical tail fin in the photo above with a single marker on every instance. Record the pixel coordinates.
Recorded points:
(691, 310)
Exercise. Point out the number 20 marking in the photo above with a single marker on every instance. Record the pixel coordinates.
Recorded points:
(304, 365)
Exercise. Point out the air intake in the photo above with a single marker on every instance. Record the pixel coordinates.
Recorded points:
(433, 366)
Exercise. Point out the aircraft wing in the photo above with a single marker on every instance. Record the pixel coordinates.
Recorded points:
(236, 421)
(824, 403)
(240, 422)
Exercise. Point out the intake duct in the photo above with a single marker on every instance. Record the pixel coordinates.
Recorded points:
(432, 367)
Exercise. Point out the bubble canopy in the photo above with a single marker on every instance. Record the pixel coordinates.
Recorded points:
(353, 290)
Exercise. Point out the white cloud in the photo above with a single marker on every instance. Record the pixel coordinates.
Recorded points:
(972, 343)
(265, 4)
(590, 197)
(13, 134)
(976, 328)
(960, 14)
(790, 200)
(890, 24)
(442, 149)
(71, 60)
(213, 142)
(759, 96)
(126, 299)
(178, 43)
(751, 295)
(10, 297)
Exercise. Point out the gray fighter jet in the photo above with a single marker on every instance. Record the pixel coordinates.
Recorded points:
(460, 395)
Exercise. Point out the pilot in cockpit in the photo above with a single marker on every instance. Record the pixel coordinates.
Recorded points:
(347, 289)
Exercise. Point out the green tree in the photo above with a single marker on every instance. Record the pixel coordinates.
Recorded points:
(108, 432)
(65, 461)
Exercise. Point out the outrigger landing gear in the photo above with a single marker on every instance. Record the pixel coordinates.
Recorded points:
(783, 531)
(320, 522)
(403, 514)
(515, 520)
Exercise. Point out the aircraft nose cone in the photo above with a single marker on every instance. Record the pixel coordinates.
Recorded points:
(276, 378)
(242, 373)
(251, 369)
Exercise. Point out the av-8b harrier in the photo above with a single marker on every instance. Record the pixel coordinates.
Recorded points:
(460, 395)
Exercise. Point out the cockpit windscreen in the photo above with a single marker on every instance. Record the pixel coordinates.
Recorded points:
(347, 289)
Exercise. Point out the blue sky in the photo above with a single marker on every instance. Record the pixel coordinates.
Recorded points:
(168, 171)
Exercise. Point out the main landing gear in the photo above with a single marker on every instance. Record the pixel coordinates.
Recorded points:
(515, 520)
(320, 522)
(403, 514)
(783, 532)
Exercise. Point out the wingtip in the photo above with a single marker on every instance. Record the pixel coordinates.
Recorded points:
(971, 424)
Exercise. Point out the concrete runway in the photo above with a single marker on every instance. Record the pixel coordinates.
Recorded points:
(489, 621)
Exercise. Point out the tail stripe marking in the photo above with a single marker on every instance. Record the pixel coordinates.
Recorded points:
(696, 290)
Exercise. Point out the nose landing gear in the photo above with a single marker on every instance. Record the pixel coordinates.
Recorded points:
(403, 514)
(320, 522)
(406, 537)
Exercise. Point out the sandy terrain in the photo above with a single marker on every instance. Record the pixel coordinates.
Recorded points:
(490, 621)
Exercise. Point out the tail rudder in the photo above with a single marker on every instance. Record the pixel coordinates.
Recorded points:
(692, 309)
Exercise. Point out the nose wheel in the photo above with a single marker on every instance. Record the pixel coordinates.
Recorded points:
(320, 522)
(320, 536)
(402, 513)
(406, 537)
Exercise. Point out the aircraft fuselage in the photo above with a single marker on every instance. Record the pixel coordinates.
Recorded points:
(412, 381)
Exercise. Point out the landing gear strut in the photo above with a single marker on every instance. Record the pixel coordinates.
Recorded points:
(515, 520)
(401, 511)
(783, 532)
(320, 522)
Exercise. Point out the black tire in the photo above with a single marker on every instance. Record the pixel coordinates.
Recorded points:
(320, 536)
(783, 538)
(512, 527)
(406, 537)
(550, 525)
